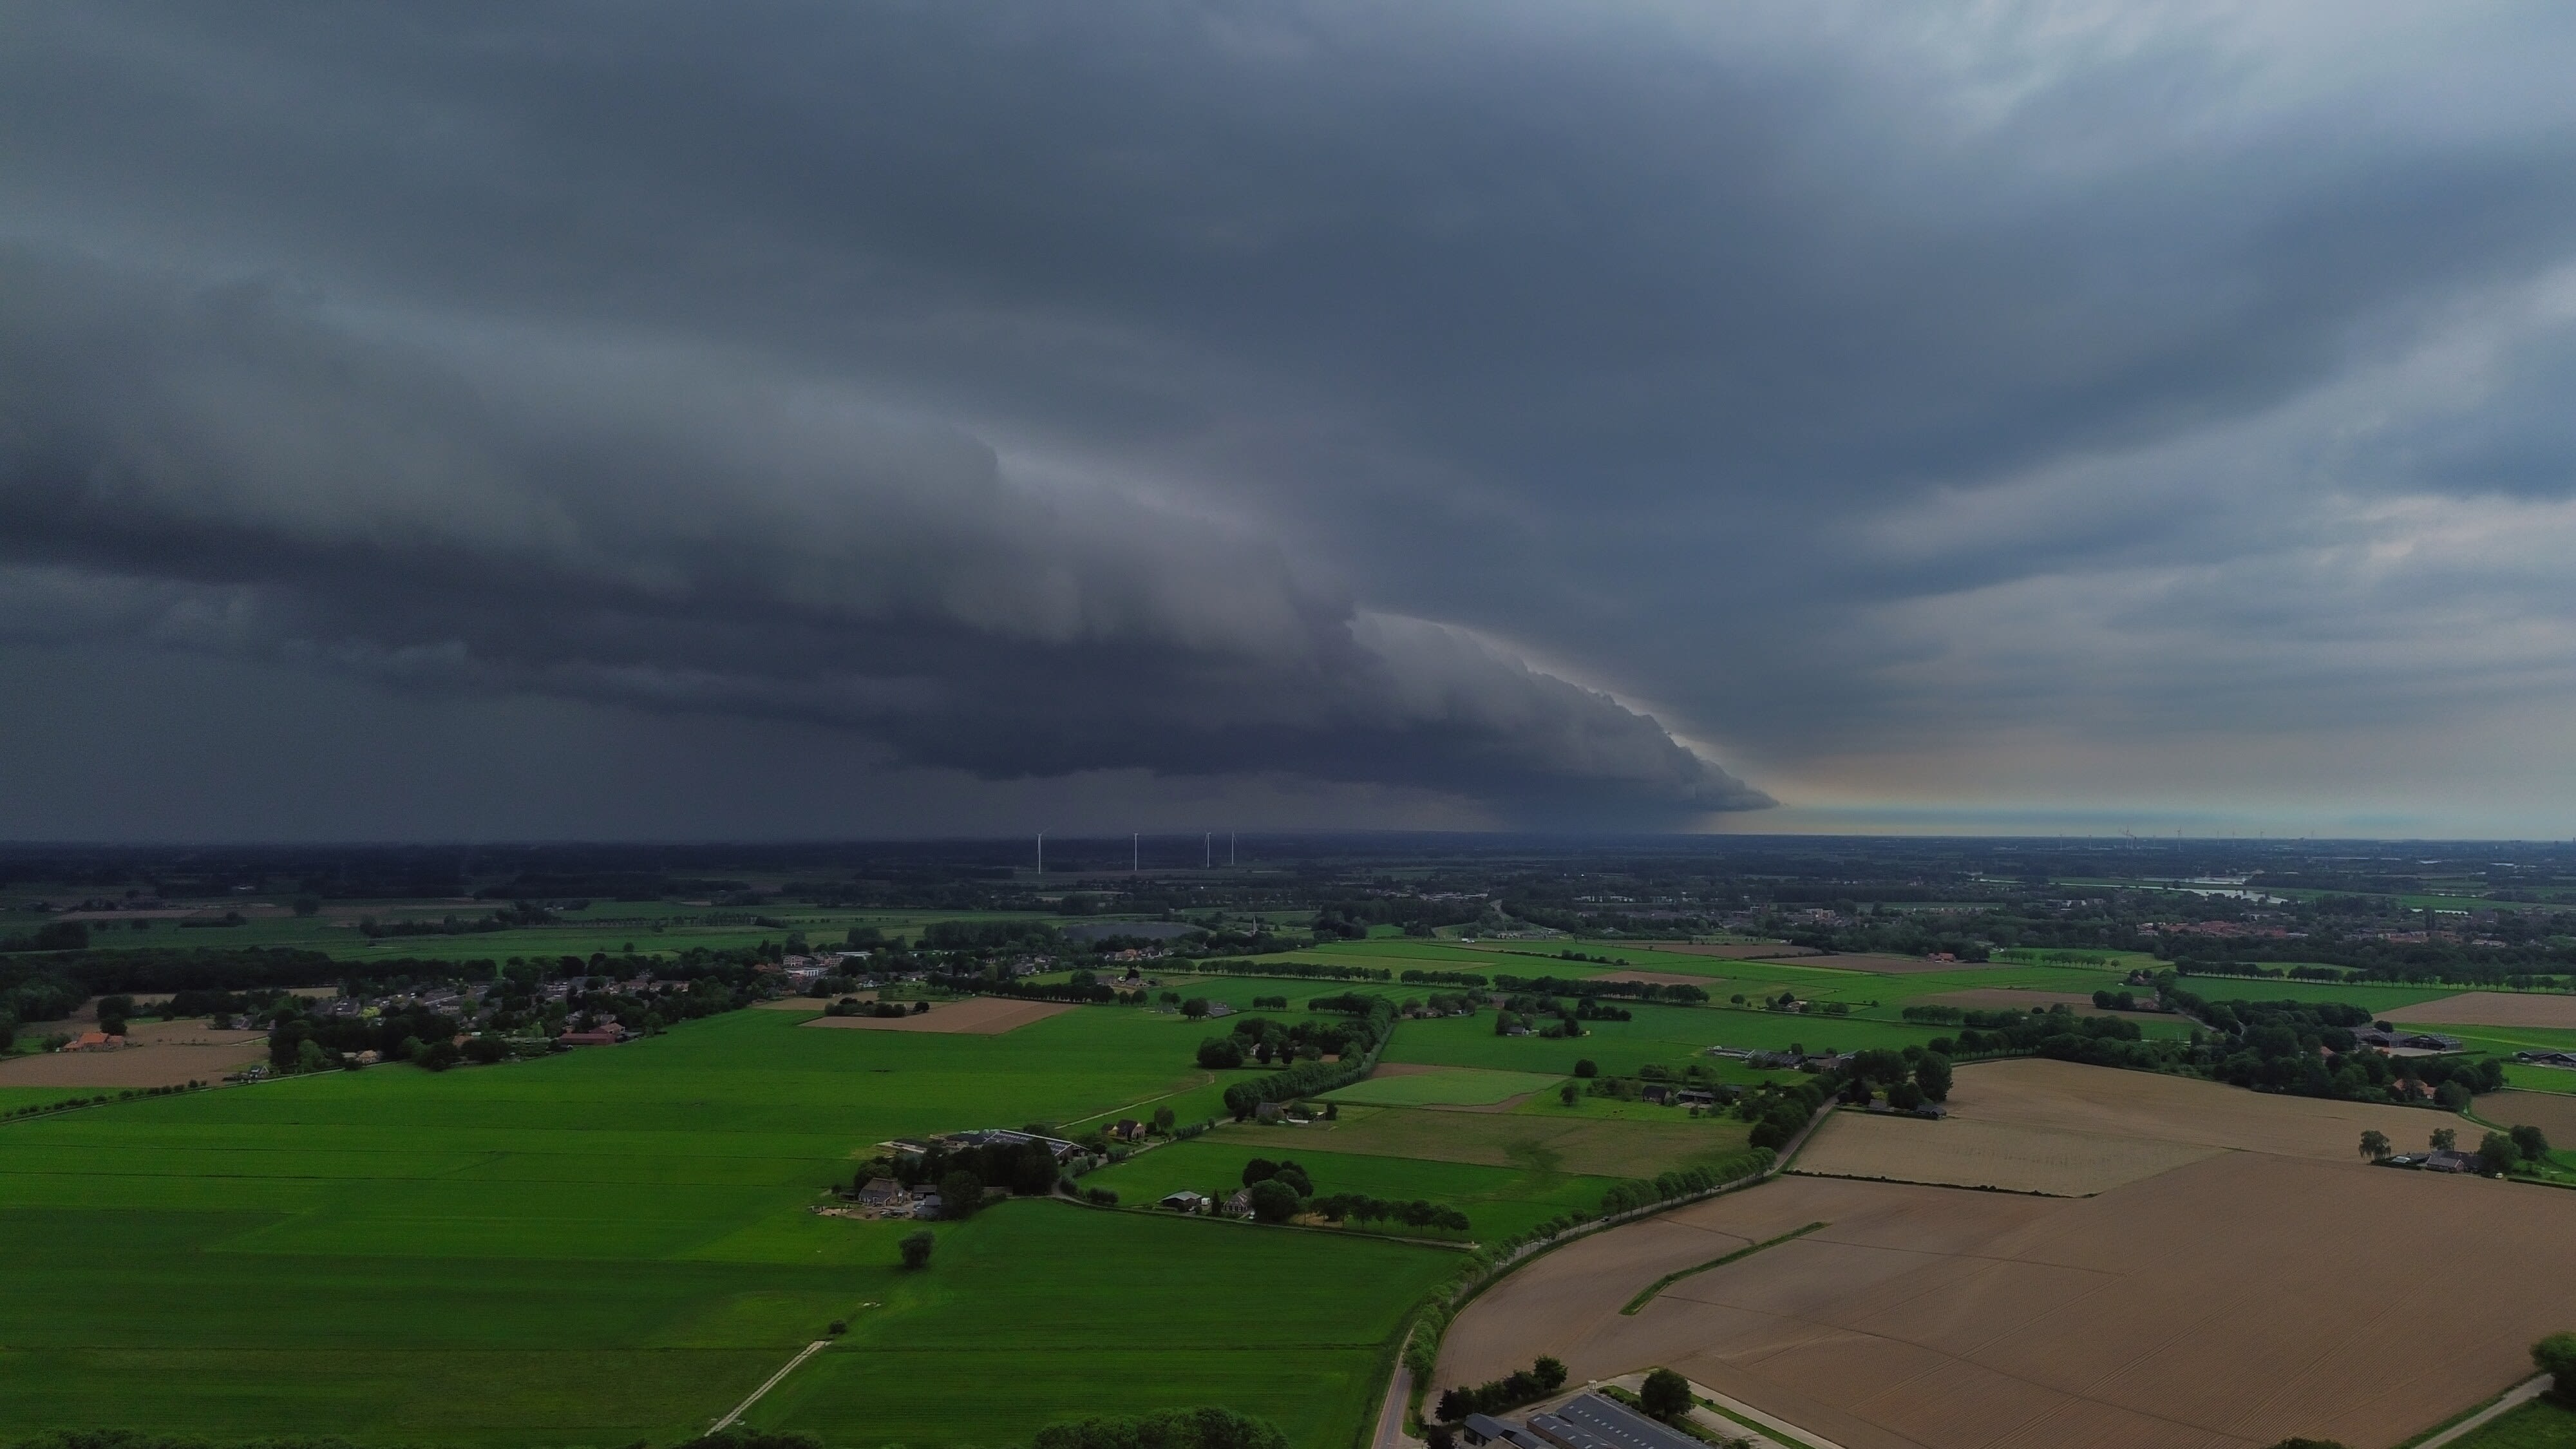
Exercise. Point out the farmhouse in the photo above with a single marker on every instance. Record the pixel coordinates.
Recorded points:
(2445, 1159)
(1127, 1130)
(596, 1036)
(2546, 1058)
(1657, 1094)
(1240, 1204)
(927, 1205)
(885, 1195)
(1185, 1201)
(94, 1041)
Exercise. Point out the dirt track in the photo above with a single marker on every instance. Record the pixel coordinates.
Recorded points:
(2225, 1303)
(2491, 1008)
(975, 1016)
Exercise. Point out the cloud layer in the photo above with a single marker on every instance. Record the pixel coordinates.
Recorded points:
(1499, 411)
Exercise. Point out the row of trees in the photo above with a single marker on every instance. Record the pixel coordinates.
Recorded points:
(1521, 1386)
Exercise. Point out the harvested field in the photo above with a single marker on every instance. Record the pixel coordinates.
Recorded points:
(1899, 965)
(1740, 950)
(2552, 1112)
(1925, 1316)
(2006, 998)
(161, 1054)
(2490, 1008)
(976, 1016)
(2035, 1093)
(1965, 1153)
(1595, 1146)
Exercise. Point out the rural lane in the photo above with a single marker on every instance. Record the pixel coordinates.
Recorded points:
(811, 1349)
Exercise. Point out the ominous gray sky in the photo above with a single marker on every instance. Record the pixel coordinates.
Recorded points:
(614, 420)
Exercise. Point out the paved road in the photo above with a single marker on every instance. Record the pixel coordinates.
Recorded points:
(1390, 1415)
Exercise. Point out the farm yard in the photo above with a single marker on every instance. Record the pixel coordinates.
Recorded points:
(1930, 1316)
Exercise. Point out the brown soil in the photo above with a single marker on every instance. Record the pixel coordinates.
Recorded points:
(1926, 1316)
(2552, 1112)
(161, 1054)
(2491, 1008)
(975, 1016)
(1967, 1153)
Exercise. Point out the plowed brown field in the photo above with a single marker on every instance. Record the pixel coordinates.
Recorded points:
(2254, 1293)
(975, 1016)
(2551, 1112)
(2491, 1008)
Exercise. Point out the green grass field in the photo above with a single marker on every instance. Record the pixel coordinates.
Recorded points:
(1446, 1087)
(614, 1244)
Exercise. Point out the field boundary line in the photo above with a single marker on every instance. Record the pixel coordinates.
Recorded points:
(1748, 1250)
(1131, 1106)
(811, 1349)
(2511, 1399)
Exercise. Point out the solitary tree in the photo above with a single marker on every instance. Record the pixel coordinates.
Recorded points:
(916, 1248)
(2374, 1144)
(1273, 1201)
(1665, 1394)
(2444, 1139)
(2556, 1354)
(1163, 1119)
(2533, 1142)
(1587, 1067)
(1567, 1094)
(1195, 1008)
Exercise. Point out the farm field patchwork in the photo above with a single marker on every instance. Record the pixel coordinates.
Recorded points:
(1928, 1315)
(614, 1244)
(1669, 1036)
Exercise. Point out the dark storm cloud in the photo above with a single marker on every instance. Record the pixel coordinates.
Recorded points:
(227, 471)
(1038, 389)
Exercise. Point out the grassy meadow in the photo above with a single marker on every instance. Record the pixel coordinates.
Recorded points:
(614, 1244)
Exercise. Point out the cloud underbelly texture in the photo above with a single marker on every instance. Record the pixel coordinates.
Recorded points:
(220, 470)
